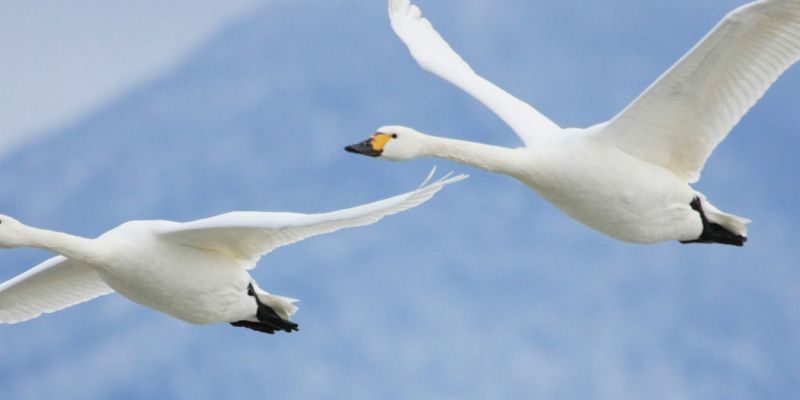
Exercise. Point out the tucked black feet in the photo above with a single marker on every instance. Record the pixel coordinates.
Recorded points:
(268, 320)
(266, 327)
(713, 232)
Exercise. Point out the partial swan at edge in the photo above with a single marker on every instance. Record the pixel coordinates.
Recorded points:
(194, 271)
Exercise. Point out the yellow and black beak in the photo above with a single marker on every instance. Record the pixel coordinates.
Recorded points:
(372, 147)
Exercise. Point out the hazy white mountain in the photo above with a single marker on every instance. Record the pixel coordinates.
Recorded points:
(63, 59)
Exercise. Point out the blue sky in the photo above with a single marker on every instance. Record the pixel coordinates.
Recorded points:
(485, 292)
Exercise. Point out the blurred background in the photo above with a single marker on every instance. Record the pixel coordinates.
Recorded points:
(113, 111)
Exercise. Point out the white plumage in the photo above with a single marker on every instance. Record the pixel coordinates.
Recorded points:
(628, 177)
(194, 271)
(50, 286)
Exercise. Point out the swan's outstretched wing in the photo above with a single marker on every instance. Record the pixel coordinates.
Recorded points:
(249, 235)
(48, 287)
(683, 116)
(436, 56)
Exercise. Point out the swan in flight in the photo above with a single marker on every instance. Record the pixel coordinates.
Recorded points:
(628, 177)
(195, 271)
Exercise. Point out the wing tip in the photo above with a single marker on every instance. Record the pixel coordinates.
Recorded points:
(447, 179)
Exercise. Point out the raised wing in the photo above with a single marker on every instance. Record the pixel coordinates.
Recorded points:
(434, 55)
(686, 113)
(48, 287)
(249, 235)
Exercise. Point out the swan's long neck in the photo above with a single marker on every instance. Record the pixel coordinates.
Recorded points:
(492, 158)
(72, 247)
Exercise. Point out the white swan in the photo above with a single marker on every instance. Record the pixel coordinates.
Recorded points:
(628, 177)
(194, 271)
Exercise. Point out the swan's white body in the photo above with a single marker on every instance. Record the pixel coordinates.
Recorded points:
(628, 177)
(195, 271)
(611, 191)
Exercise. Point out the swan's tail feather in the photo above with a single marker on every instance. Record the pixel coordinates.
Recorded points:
(283, 306)
(736, 224)
(719, 227)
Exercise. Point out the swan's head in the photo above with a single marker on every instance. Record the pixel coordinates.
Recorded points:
(11, 232)
(396, 143)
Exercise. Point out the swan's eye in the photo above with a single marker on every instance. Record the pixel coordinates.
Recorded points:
(394, 136)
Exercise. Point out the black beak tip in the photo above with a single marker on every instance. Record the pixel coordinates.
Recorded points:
(363, 148)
